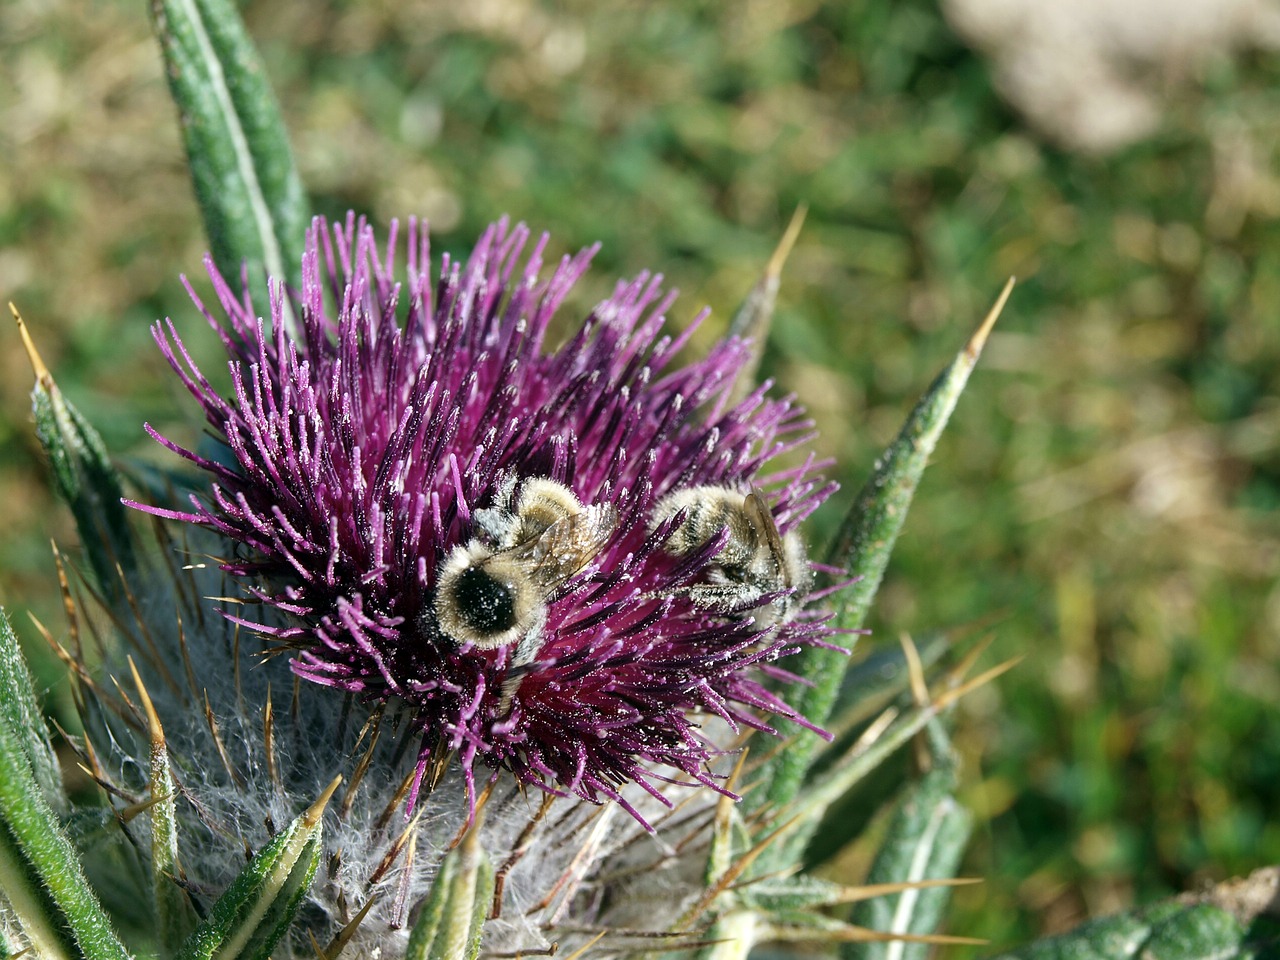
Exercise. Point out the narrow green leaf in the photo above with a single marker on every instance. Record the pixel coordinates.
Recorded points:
(257, 908)
(173, 915)
(18, 708)
(82, 475)
(452, 917)
(37, 848)
(863, 546)
(246, 183)
(924, 841)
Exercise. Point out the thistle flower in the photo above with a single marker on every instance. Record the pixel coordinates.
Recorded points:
(377, 473)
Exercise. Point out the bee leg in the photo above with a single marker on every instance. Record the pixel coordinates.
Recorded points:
(521, 663)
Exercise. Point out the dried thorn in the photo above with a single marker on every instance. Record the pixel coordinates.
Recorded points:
(372, 722)
(582, 951)
(314, 812)
(393, 804)
(580, 865)
(68, 603)
(33, 355)
(696, 825)
(399, 909)
(335, 863)
(195, 590)
(390, 856)
(185, 652)
(269, 743)
(235, 667)
(225, 757)
(969, 659)
(945, 700)
(167, 552)
(788, 241)
(315, 945)
(915, 670)
(731, 875)
(518, 850)
(99, 776)
(153, 719)
(156, 660)
(362, 767)
(77, 668)
(979, 339)
(348, 931)
(127, 813)
(436, 768)
(754, 318)
(872, 890)
(137, 720)
(472, 817)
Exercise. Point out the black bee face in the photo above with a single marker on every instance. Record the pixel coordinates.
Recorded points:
(485, 603)
(484, 598)
(492, 591)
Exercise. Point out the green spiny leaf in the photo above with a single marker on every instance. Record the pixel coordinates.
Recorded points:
(37, 856)
(806, 810)
(800, 892)
(453, 915)
(19, 709)
(21, 893)
(82, 475)
(246, 184)
(863, 546)
(255, 911)
(174, 916)
(1236, 920)
(925, 841)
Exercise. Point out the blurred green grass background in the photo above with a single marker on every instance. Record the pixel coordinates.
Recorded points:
(1104, 500)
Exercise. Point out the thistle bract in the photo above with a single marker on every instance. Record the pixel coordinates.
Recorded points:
(401, 424)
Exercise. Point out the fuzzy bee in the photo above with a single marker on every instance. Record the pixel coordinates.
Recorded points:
(492, 591)
(756, 561)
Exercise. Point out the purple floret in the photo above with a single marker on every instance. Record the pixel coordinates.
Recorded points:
(358, 453)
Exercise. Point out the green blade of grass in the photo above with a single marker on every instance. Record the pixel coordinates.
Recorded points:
(248, 188)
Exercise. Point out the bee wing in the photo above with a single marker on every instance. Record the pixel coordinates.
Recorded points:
(760, 516)
(567, 545)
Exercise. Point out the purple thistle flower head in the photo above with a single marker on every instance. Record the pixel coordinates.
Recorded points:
(555, 558)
